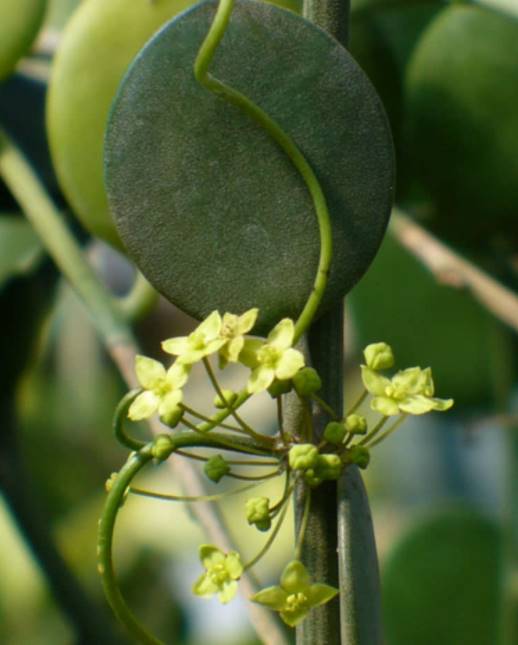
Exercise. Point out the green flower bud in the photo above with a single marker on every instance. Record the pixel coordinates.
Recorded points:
(108, 484)
(379, 356)
(173, 418)
(334, 432)
(328, 467)
(356, 424)
(277, 388)
(311, 478)
(162, 447)
(216, 468)
(359, 455)
(303, 456)
(229, 397)
(307, 381)
(257, 511)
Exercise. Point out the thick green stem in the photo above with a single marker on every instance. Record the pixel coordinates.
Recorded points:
(358, 621)
(201, 66)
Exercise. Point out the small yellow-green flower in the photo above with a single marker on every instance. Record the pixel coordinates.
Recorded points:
(222, 572)
(162, 389)
(409, 391)
(204, 340)
(296, 596)
(273, 359)
(232, 331)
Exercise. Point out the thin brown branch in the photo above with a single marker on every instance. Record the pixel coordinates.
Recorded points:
(453, 270)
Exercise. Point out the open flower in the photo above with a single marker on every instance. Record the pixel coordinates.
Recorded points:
(409, 391)
(204, 340)
(273, 359)
(222, 572)
(296, 596)
(232, 331)
(162, 389)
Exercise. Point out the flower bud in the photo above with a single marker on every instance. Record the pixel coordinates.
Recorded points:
(257, 511)
(356, 424)
(173, 418)
(334, 432)
(162, 447)
(277, 388)
(216, 468)
(307, 381)
(359, 455)
(229, 397)
(303, 456)
(379, 356)
(328, 467)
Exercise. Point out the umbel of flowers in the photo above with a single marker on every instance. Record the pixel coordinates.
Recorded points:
(276, 366)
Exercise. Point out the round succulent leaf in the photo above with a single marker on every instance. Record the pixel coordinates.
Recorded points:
(20, 21)
(461, 93)
(207, 204)
(441, 583)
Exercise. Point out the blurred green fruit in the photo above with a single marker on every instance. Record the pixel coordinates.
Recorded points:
(99, 43)
(20, 21)
(426, 323)
(441, 583)
(461, 95)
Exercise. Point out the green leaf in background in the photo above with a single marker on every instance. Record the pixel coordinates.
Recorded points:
(427, 324)
(461, 97)
(20, 248)
(97, 46)
(210, 208)
(20, 21)
(441, 582)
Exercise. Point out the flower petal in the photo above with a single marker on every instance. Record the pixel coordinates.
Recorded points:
(150, 373)
(176, 346)
(290, 363)
(169, 403)
(319, 594)
(143, 406)
(227, 592)
(294, 617)
(204, 586)
(247, 320)
(233, 565)
(282, 334)
(295, 577)
(374, 382)
(260, 379)
(416, 404)
(177, 374)
(211, 326)
(385, 406)
(272, 597)
(412, 380)
(211, 555)
(248, 355)
(233, 348)
(442, 404)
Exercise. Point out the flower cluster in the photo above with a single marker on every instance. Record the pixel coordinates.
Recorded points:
(409, 391)
(273, 359)
(276, 366)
